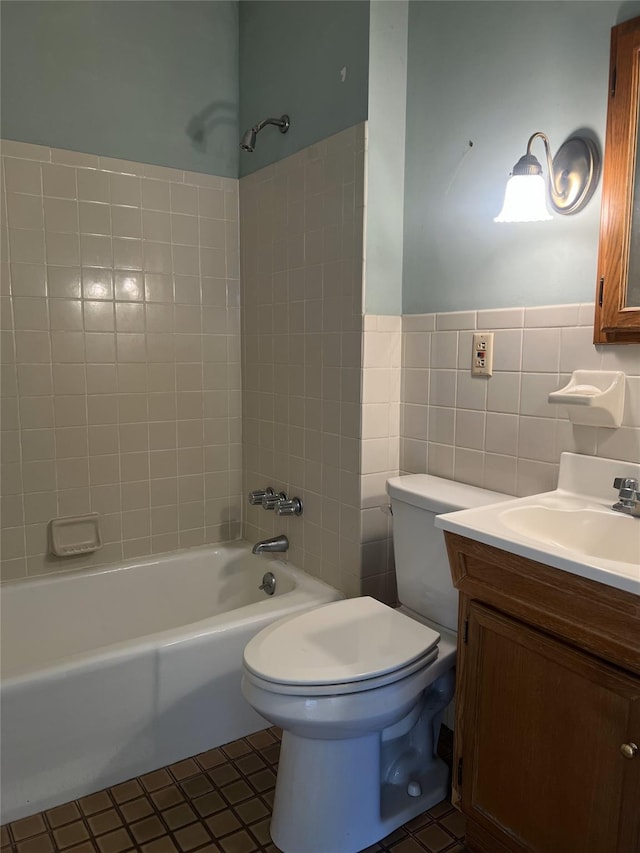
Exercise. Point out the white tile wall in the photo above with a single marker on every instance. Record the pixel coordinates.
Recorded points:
(500, 432)
(120, 355)
(380, 449)
(301, 236)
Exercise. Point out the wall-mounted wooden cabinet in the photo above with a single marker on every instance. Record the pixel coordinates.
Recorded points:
(617, 317)
(547, 709)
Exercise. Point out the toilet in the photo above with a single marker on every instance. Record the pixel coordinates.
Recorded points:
(359, 689)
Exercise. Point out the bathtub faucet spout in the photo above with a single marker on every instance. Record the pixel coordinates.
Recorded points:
(276, 543)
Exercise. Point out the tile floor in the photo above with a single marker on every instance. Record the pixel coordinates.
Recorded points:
(219, 802)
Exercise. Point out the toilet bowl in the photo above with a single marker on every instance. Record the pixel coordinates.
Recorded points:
(359, 690)
(348, 683)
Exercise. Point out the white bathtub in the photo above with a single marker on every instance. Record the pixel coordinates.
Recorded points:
(114, 672)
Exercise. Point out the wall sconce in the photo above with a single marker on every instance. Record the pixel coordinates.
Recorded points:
(572, 176)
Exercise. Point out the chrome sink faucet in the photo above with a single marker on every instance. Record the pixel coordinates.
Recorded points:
(268, 546)
(628, 497)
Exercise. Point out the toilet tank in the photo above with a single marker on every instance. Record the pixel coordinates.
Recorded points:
(422, 567)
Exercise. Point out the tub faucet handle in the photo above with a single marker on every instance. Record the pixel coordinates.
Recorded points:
(293, 506)
(270, 501)
(255, 497)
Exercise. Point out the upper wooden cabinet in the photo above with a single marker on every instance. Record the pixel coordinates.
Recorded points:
(617, 318)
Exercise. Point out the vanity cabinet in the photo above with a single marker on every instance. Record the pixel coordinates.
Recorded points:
(548, 705)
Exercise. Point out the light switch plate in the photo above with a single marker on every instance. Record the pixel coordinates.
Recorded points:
(482, 354)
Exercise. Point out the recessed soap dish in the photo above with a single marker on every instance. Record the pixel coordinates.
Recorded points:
(75, 535)
(593, 397)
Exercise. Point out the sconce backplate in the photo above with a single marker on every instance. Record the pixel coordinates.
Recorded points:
(576, 169)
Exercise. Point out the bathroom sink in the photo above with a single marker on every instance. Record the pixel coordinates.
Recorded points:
(572, 528)
(599, 533)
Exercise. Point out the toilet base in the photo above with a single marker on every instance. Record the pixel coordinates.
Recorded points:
(329, 796)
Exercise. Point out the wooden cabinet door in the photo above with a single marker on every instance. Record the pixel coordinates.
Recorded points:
(543, 726)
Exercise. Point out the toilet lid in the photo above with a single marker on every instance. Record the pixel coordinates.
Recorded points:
(345, 641)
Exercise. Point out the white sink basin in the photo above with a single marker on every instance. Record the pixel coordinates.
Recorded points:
(572, 528)
(599, 533)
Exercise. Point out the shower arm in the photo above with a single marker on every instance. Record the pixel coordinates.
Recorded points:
(282, 123)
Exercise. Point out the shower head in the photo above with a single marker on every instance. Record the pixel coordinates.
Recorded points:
(248, 141)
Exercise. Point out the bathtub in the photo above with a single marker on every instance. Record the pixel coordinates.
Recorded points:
(114, 672)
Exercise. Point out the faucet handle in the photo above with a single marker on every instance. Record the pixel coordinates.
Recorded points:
(628, 487)
(270, 501)
(256, 496)
(293, 506)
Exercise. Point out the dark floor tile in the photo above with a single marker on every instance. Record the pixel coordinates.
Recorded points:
(223, 824)
(137, 809)
(126, 791)
(250, 763)
(147, 829)
(216, 802)
(393, 837)
(407, 845)
(184, 769)
(251, 811)
(167, 797)
(115, 842)
(85, 847)
(197, 785)
(223, 774)
(265, 780)
(36, 844)
(70, 834)
(454, 823)
(269, 797)
(419, 822)
(441, 809)
(62, 814)
(236, 748)
(208, 804)
(271, 754)
(179, 816)
(95, 803)
(157, 779)
(210, 759)
(239, 842)
(237, 792)
(260, 831)
(28, 826)
(434, 839)
(190, 837)
(160, 845)
(104, 822)
(261, 739)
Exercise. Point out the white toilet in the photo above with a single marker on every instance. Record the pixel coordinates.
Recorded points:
(360, 688)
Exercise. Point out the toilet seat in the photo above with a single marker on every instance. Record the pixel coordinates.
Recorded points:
(347, 646)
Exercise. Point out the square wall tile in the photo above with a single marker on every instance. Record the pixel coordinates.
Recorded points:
(95, 324)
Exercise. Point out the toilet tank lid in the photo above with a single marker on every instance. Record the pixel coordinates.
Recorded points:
(438, 495)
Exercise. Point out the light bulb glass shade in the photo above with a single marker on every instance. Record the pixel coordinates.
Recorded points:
(524, 200)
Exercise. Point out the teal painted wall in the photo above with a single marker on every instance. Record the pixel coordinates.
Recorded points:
(386, 145)
(155, 81)
(291, 56)
(494, 73)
